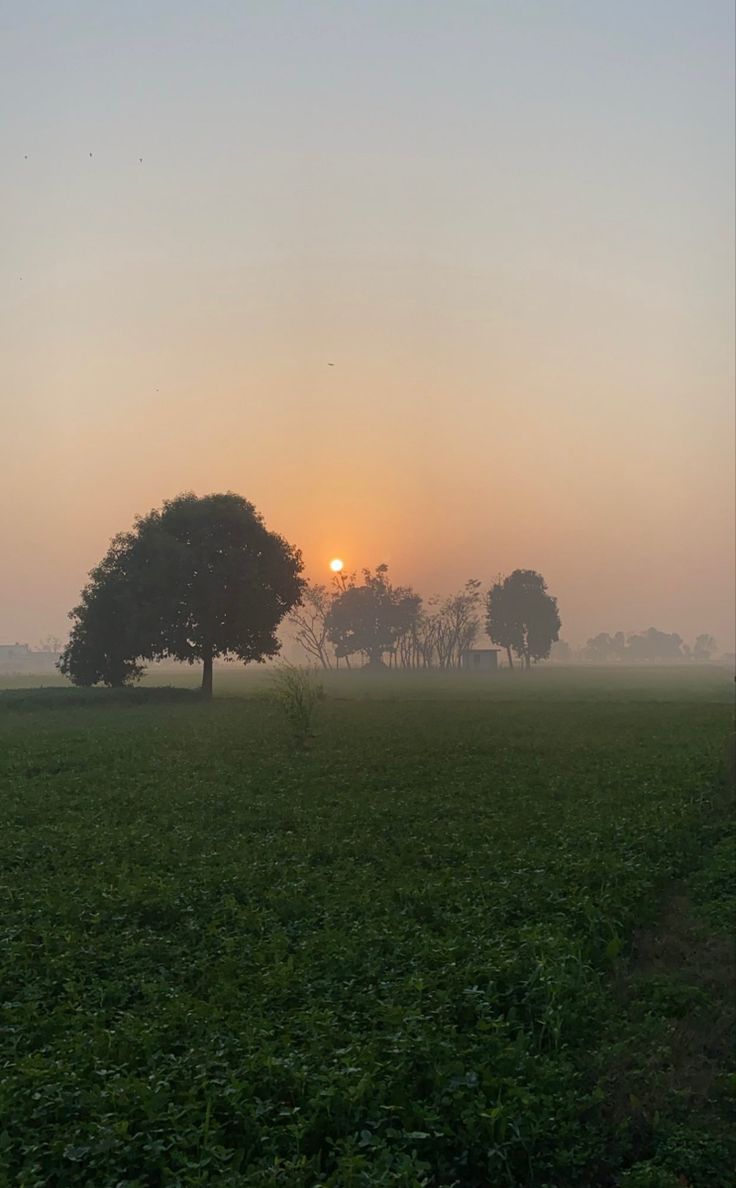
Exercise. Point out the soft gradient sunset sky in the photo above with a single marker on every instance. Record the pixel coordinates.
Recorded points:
(507, 223)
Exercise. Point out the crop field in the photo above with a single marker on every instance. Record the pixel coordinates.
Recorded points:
(476, 933)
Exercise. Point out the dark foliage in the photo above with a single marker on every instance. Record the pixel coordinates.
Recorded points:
(522, 617)
(107, 629)
(371, 618)
(648, 647)
(200, 579)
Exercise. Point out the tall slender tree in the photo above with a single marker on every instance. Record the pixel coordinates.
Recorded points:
(309, 620)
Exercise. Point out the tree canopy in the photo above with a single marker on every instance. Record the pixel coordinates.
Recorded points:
(201, 578)
(371, 618)
(605, 647)
(104, 646)
(522, 617)
(654, 645)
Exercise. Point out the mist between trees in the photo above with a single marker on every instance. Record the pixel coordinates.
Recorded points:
(203, 579)
(377, 624)
(381, 625)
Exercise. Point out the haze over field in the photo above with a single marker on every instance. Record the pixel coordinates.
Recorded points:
(448, 285)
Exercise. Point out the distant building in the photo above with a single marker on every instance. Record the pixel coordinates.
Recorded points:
(20, 658)
(14, 657)
(480, 659)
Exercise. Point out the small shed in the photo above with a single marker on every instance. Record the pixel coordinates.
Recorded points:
(480, 659)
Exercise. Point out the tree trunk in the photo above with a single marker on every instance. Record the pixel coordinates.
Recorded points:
(207, 676)
(510, 657)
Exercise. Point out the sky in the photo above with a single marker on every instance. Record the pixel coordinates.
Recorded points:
(507, 224)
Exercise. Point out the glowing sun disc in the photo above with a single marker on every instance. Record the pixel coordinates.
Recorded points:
(336, 565)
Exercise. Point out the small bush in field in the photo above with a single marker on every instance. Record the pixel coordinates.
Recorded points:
(298, 692)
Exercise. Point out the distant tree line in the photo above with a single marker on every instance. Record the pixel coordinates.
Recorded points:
(648, 646)
(377, 624)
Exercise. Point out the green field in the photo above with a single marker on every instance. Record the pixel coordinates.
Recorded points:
(476, 934)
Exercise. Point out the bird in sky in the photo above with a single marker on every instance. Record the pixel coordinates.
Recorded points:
(330, 364)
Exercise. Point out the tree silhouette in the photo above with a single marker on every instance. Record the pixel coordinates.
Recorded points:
(704, 648)
(604, 647)
(370, 619)
(107, 632)
(501, 624)
(309, 620)
(654, 645)
(457, 624)
(199, 579)
(522, 617)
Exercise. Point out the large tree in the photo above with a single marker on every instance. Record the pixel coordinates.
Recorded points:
(105, 642)
(200, 579)
(371, 618)
(522, 617)
(502, 625)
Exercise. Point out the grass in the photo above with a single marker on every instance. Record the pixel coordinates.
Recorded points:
(23, 699)
(418, 953)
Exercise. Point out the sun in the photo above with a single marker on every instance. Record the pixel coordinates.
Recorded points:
(336, 565)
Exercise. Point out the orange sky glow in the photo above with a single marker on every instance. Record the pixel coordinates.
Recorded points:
(476, 318)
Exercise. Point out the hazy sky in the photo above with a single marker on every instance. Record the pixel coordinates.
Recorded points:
(507, 223)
